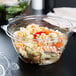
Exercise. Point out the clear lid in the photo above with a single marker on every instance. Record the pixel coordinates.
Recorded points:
(6, 66)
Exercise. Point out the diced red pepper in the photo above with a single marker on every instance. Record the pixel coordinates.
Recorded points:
(38, 33)
(59, 53)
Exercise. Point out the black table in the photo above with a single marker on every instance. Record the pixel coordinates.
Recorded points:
(66, 66)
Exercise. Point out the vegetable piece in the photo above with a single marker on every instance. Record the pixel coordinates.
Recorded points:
(59, 53)
(38, 33)
(2, 7)
(46, 31)
(13, 10)
(59, 44)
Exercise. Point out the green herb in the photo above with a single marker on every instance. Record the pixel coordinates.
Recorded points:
(2, 7)
(14, 10)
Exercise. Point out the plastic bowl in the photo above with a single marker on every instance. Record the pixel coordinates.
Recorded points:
(40, 56)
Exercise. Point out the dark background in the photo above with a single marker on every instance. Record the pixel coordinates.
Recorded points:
(50, 4)
(64, 3)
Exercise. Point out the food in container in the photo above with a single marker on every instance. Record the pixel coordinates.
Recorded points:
(36, 40)
(39, 44)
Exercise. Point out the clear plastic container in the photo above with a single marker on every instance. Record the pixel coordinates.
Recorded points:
(51, 22)
(6, 66)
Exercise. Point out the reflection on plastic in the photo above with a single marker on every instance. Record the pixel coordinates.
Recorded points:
(6, 66)
(2, 71)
